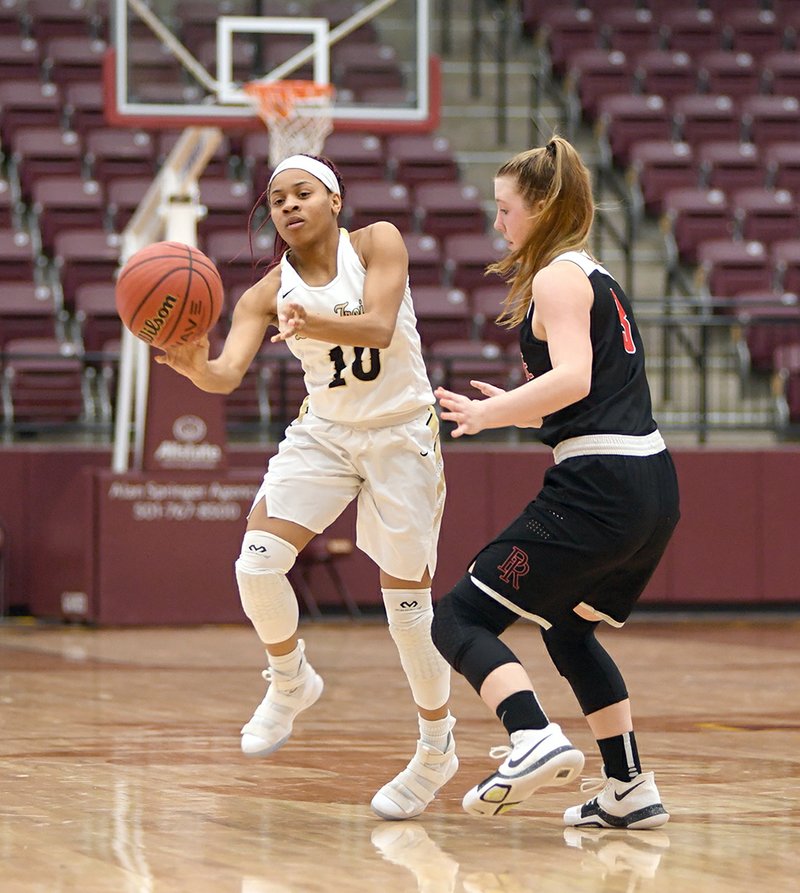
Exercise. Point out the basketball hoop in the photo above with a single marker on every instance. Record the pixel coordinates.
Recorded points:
(298, 115)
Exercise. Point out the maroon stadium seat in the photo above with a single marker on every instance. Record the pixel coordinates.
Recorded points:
(729, 267)
(666, 73)
(594, 73)
(442, 313)
(447, 208)
(67, 60)
(628, 28)
(357, 156)
(627, 118)
(466, 257)
(61, 203)
(425, 261)
(660, 165)
(701, 117)
(731, 74)
(771, 119)
(695, 215)
(729, 164)
(96, 315)
(28, 104)
(28, 310)
(120, 152)
(413, 158)
(46, 152)
(689, 29)
(84, 255)
(766, 215)
(372, 200)
(786, 258)
(44, 385)
(754, 31)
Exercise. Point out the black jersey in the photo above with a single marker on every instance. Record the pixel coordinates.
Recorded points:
(619, 399)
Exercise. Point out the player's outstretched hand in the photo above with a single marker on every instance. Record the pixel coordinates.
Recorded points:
(461, 410)
(188, 359)
(291, 321)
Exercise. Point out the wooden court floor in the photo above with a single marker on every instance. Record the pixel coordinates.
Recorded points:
(120, 769)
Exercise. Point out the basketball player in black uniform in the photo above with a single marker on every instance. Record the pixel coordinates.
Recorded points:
(583, 551)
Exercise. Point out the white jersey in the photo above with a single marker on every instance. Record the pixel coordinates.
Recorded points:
(356, 385)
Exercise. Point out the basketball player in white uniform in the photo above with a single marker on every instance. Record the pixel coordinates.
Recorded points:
(367, 431)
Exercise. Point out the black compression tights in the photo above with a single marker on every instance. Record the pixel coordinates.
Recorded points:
(584, 663)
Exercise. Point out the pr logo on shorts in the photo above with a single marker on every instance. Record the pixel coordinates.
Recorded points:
(514, 567)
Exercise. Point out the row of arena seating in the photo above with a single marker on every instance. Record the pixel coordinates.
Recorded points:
(742, 26)
(52, 384)
(194, 20)
(443, 313)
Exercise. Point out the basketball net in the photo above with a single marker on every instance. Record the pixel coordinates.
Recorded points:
(298, 115)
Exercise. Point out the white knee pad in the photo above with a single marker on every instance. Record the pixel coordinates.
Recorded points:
(410, 612)
(266, 594)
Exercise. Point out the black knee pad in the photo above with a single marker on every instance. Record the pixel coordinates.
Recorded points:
(465, 630)
(577, 655)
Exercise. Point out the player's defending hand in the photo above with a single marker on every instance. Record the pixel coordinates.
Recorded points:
(291, 321)
(461, 410)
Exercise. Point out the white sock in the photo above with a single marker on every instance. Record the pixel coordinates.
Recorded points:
(287, 664)
(435, 732)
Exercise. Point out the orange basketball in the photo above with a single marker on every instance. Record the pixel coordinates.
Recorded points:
(169, 294)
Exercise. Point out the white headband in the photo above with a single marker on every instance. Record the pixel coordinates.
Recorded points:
(311, 166)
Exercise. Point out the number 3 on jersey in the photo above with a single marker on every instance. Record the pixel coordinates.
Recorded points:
(627, 333)
(362, 374)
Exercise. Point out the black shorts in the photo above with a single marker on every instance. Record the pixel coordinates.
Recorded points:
(593, 535)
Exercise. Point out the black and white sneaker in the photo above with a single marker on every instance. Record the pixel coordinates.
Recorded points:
(535, 759)
(634, 804)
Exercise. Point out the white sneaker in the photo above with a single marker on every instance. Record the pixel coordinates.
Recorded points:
(536, 758)
(634, 804)
(271, 725)
(410, 792)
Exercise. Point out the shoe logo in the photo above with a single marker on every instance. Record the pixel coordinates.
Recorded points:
(413, 604)
(512, 764)
(624, 794)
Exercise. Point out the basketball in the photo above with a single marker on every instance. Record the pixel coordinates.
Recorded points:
(169, 294)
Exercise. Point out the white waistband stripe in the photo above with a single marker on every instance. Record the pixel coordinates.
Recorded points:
(609, 445)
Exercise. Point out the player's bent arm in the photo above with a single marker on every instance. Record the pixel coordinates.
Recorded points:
(383, 253)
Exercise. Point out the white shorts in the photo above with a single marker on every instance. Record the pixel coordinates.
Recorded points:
(396, 473)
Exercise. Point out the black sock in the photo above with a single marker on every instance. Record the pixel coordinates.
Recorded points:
(620, 756)
(521, 711)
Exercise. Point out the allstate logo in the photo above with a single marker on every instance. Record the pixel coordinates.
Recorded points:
(189, 429)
